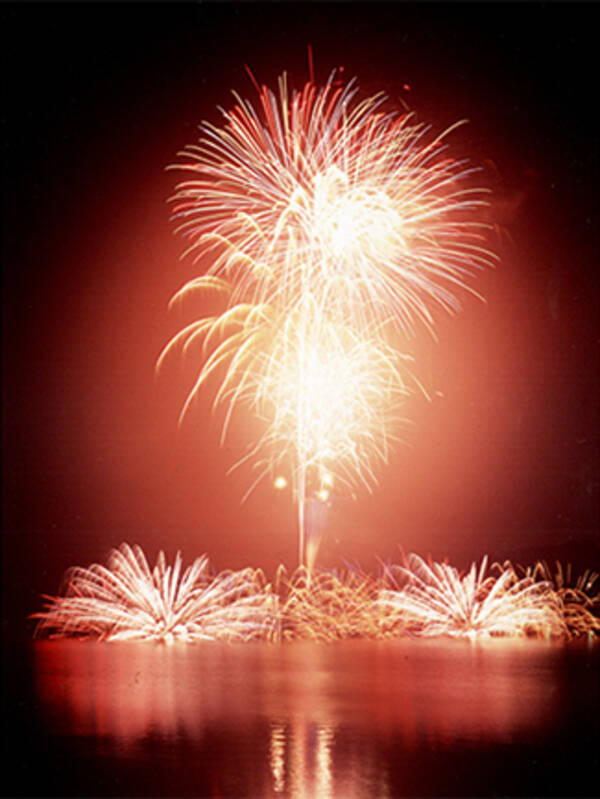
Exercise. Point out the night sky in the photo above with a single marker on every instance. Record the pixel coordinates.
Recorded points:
(99, 100)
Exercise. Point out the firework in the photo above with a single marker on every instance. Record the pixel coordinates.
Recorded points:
(432, 599)
(331, 401)
(578, 596)
(320, 191)
(333, 228)
(328, 606)
(125, 600)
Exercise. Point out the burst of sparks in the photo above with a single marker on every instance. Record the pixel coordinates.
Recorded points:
(330, 399)
(579, 597)
(327, 606)
(126, 600)
(433, 599)
(333, 228)
(321, 192)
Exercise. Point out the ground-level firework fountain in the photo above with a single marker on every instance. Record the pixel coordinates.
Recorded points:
(125, 600)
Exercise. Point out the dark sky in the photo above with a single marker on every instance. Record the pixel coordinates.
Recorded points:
(100, 97)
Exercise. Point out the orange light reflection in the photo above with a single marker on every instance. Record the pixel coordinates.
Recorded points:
(318, 713)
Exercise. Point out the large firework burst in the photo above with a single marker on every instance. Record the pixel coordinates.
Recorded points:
(318, 191)
(332, 227)
(127, 600)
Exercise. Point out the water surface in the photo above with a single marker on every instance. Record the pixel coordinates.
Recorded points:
(352, 719)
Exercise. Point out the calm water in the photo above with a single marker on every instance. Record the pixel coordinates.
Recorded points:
(353, 719)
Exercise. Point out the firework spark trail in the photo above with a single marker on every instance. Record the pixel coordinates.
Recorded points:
(126, 600)
(434, 599)
(333, 229)
(327, 606)
(579, 597)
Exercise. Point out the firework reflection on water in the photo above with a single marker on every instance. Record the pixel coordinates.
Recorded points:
(304, 719)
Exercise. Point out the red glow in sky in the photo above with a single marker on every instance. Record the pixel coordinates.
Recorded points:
(505, 457)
